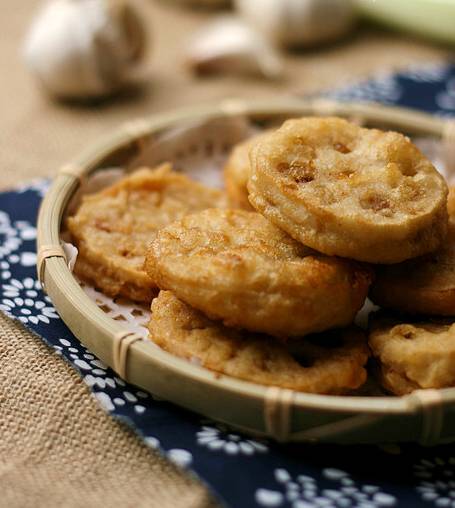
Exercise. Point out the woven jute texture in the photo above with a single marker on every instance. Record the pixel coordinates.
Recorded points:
(57, 447)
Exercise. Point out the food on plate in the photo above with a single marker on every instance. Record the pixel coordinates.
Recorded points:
(424, 285)
(237, 172)
(236, 266)
(113, 228)
(451, 204)
(331, 363)
(348, 191)
(267, 291)
(413, 354)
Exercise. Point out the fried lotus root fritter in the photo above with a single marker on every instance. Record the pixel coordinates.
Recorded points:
(451, 205)
(413, 355)
(348, 191)
(236, 266)
(424, 285)
(237, 172)
(331, 364)
(113, 228)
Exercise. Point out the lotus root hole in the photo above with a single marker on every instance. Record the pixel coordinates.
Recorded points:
(299, 172)
(209, 148)
(340, 147)
(404, 331)
(375, 202)
(408, 169)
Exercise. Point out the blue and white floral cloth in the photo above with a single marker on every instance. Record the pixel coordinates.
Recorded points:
(241, 471)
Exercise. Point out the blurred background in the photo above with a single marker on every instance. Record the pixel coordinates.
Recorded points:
(72, 70)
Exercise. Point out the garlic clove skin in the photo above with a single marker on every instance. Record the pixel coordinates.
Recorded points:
(298, 23)
(84, 48)
(229, 45)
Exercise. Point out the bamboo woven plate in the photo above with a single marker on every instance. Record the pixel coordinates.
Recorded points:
(427, 416)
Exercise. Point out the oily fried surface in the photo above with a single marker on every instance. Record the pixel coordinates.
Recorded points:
(411, 354)
(236, 266)
(348, 191)
(330, 364)
(451, 204)
(424, 285)
(113, 228)
(237, 172)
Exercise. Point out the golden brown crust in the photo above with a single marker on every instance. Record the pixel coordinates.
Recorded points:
(413, 355)
(394, 382)
(236, 266)
(424, 285)
(451, 204)
(237, 172)
(132, 284)
(113, 228)
(331, 364)
(345, 190)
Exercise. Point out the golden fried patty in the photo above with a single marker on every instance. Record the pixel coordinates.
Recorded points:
(236, 266)
(413, 355)
(112, 228)
(333, 363)
(349, 191)
(424, 285)
(237, 172)
(451, 204)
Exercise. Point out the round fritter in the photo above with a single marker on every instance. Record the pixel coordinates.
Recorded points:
(330, 364)
(349, 191)
(113, 228)
(425, 285)
(413, 355)
(236, 266)
(451, 205)
(237, 172)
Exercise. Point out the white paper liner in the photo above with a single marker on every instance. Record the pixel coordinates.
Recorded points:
(199, 150)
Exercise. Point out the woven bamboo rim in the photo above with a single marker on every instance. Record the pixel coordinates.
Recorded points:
(427, 416)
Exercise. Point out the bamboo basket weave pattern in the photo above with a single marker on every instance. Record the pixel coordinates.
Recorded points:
(426, 416)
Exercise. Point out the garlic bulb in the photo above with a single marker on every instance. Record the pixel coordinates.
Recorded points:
(293, 23)
(229, 45)
(84, 48)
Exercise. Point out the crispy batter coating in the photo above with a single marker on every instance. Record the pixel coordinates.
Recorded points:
(113, 228)
(424, 285)
(237, 172)
(330, 364)
(236, 266)
(413, 355)
(348, 191)
(451, 204)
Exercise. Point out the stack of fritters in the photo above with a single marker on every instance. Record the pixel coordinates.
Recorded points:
(270, 297)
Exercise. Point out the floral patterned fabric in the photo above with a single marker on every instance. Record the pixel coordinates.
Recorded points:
(242, 472)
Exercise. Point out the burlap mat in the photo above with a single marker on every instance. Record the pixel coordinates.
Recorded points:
(57, 447)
